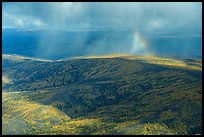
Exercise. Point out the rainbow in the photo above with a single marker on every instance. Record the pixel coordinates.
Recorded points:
(140, 45)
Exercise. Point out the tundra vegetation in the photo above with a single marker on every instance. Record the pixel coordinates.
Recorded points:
(113, 94)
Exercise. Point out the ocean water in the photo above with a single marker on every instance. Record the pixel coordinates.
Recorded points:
(66, 44)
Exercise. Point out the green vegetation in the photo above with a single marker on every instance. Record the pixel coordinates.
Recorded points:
(102, 95)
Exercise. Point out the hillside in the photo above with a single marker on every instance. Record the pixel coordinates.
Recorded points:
(113, 94)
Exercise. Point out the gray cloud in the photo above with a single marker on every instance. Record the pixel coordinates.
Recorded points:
(152, 17)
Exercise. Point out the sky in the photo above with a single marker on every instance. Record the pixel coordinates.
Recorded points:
(153, 28)
(150, 17)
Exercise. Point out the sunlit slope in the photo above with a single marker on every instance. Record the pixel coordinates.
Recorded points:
(187, 63)
(15, 57)
(23, 116)
(108, 95)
